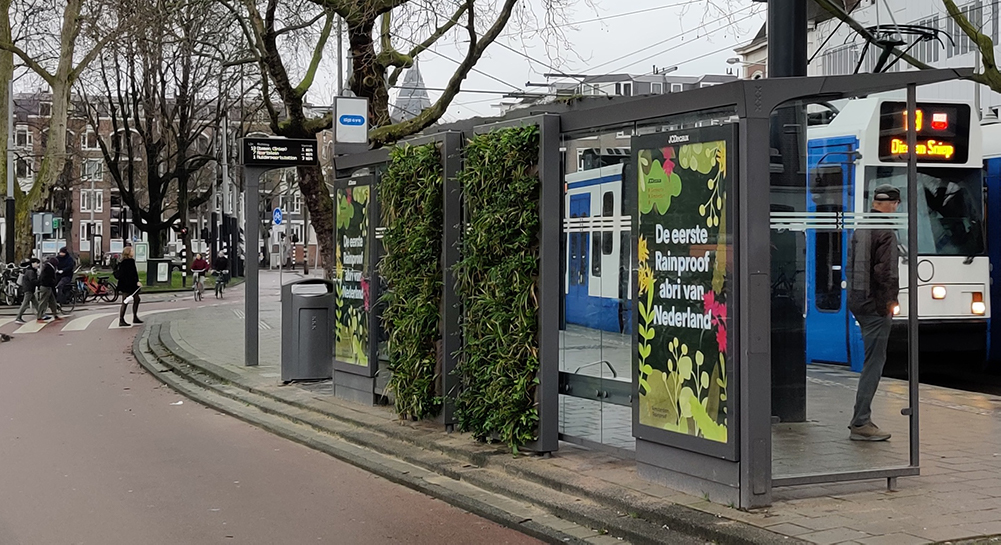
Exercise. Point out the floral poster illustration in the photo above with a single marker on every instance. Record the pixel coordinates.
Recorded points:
(351, 275)
(683, 281)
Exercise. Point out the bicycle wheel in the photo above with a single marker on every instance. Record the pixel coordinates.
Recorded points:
(67, 307)
(110, 293)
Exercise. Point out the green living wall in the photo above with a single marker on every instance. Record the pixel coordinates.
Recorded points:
(497, 278)
(411, 202)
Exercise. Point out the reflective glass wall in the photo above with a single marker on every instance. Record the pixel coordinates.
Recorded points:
(839, 235)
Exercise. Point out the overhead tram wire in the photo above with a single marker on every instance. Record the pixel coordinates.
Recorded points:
(474, 69)
(672, 38)
(674, 47)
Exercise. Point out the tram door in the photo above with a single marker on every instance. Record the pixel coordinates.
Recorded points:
(578, 245)
(830, 200)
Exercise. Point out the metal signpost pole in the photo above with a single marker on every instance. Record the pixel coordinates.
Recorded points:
(10, 210)
(913, 348)
(259, 155)
(225, 191)
(277, 220)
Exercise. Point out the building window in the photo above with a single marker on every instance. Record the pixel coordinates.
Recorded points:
(627, 89)
(677, 87)
(92, 200)
(88, 230)
(44, 109)
(89, 140)
(23, 138)
(93, 169)
(657, 88)
(24, 168)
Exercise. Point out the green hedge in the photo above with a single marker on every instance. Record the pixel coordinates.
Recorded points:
(411, 202)
(497, 278)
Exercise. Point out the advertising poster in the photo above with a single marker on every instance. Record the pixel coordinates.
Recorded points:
(163, 272)
(681, 348)
(352, 274)
(142, 252)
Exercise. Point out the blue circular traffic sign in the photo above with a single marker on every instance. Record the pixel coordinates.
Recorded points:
(278, 216)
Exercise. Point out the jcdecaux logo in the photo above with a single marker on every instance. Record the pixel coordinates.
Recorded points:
(352, 120)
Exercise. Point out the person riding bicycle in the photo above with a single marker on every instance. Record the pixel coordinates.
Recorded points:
(64, 273)
(221, 268)
(198, 268)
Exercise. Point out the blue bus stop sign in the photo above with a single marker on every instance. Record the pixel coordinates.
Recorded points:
(278, 216)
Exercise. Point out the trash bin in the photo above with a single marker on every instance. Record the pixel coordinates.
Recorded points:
(307, 335)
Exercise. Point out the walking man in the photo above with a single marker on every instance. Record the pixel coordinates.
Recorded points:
(874, 285)
(47, 288)
(29, 282)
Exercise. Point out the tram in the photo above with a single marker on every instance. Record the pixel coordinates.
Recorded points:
(862, 146)
(992, 198)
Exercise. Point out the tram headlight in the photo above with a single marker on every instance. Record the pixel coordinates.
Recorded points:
(978, 306)
(896, 310)
(938, 292)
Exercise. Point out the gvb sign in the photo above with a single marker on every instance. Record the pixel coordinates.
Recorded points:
(350, 125)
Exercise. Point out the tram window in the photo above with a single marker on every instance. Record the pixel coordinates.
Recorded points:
(596, 253)
(829, 265)
(828, 195)
(606, 243)
(608, 204)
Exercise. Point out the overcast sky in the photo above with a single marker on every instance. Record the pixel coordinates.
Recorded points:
(617, 37)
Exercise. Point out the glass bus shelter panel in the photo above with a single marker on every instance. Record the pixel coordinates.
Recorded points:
(596, 326)
(836, 271)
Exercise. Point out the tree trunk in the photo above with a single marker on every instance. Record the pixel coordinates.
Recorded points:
(368, 78)
(320, 208)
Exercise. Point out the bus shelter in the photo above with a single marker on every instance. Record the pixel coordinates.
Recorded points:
(690, 220)
(683, 287)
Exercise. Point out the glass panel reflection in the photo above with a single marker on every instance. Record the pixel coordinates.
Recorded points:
(836, 274)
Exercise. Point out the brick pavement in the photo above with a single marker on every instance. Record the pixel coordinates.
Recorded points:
(958, 494)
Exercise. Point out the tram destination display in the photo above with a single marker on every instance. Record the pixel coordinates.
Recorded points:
(682, 347)
(278, 152)
(943, 132)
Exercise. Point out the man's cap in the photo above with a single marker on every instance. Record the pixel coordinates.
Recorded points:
(886, 192)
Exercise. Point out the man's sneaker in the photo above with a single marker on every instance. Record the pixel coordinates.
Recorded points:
(19, 321)
(868, 432)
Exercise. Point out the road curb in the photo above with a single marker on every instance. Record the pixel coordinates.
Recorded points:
(625, 512)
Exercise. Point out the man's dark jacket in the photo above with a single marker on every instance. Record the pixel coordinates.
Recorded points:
(47, 273)
(874, 278)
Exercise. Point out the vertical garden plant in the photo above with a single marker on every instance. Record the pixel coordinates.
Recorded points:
(498, 282)
(411, 201)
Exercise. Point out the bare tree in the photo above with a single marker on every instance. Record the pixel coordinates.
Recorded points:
(161, 94)
(49, 33)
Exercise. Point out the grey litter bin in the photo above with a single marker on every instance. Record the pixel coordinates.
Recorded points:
(307, 335)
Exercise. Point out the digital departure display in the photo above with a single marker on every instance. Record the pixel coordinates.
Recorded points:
(278, 152)
(943, 132)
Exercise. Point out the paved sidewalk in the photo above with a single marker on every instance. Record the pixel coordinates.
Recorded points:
(958, 494)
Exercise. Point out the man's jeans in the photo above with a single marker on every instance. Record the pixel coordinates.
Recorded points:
(28, 300)
(875, 335)
(46, 300)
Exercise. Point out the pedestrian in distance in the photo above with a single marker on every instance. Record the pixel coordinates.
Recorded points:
(128, 283)
(47, 279)
(28, 285)
(874, 286)
(64, 273)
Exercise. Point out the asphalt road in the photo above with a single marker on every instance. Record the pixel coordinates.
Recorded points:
(95, 451)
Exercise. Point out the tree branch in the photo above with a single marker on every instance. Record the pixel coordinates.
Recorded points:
(990, 75)
(392, 133)
(29, 62)
(314, 62)
(423, 46)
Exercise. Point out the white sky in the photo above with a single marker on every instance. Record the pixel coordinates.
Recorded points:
(698, 42)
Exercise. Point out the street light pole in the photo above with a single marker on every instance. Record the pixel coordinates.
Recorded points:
(10, 210)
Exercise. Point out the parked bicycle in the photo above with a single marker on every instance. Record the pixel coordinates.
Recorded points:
(97, 287)
(11, 291)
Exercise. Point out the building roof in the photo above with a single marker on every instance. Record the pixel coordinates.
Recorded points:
(412, 98)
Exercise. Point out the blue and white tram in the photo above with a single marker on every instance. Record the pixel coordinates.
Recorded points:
(598, 249)
(864, 146)
(992, 199)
